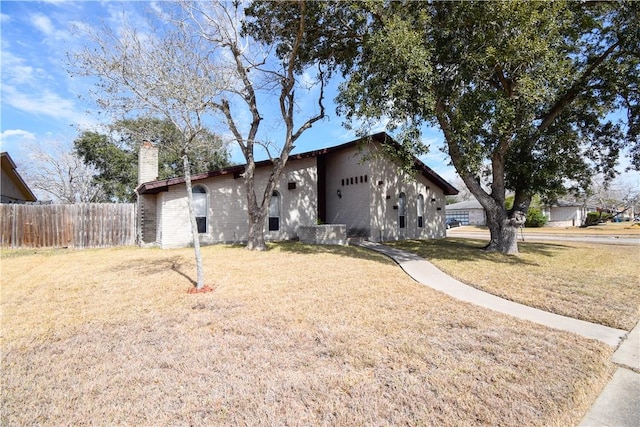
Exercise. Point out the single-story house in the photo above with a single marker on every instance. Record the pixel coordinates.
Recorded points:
(468, 212)
(559, 214)
(345, 186)
(13, 189)
(565, 213)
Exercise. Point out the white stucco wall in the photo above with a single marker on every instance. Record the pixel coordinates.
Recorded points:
(369, 191)
(365, 206)
(346, 174)
(568, 216)
(385, 222)
(227, 206)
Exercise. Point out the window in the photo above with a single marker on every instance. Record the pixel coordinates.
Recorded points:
(200, 207)
(402, 210)
(420, 212)
(274, 212)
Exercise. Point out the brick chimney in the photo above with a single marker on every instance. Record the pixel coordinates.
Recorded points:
(147, 163)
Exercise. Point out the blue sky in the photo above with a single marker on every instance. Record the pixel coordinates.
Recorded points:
(42, 104)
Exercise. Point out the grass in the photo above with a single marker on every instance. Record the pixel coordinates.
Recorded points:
(596, 283)
(298, 335)
(620, 229)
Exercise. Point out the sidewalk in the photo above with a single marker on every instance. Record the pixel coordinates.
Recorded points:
(619, 402)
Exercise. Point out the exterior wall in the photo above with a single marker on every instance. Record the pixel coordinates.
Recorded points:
(326, 234)
(362, 195)
(388, 181)
(147, 163)
(570, 216)
(227, 220)
(10, 191)
(346, 174)
(13, 191)
(364, 206)
(148, 218)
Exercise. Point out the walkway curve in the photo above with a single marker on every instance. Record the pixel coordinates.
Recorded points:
(426, 273)
(618, 403)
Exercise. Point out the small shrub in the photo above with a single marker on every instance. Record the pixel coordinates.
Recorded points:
(535, 218)
(594, 218)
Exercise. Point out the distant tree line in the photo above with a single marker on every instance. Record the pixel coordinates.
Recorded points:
(114, 155)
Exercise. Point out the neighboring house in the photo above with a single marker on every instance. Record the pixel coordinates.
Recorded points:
(560, 214)
(13, 188)
(468, 212)
(564, 213)
(368, 195)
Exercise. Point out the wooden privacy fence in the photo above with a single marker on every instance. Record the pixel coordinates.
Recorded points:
(85, 225)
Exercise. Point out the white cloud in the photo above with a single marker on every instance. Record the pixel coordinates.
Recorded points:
(12, 139)
(15, 70)
(43, 23)
(4, 18)
(45, 103)
(11, 133)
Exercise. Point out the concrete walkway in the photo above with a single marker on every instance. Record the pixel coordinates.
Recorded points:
(619, 402)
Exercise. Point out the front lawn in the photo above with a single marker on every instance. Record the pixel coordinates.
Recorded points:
(298, 335)
(593, 282)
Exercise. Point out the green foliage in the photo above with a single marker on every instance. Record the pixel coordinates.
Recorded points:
(523, 91)
(508, 202)
(594, 218)
(535, 218)
(116, 166)
(115, 156)
(449, 200)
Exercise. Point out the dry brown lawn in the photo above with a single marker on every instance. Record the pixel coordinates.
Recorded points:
(297, 335)
(621, 229)
(593, 282)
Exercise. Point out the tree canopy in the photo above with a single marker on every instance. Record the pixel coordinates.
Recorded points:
(530, 96)
(114, 154)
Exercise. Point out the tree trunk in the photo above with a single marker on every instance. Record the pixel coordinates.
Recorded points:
(257, 212)
(256, 240)
(504, 230)
(194, 224)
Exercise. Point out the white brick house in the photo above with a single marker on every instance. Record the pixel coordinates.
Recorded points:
(338, 185)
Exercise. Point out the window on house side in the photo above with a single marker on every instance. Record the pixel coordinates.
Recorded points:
(274, 212)
(402, 210)
(420, 213)
(200, 207)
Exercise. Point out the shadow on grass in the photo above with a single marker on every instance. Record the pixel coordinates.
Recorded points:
(459, 249)
(345, 251)
(146, 266)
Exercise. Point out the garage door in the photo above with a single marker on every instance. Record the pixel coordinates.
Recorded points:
(462, 216)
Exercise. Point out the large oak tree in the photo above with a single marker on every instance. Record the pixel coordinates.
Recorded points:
(530, 96)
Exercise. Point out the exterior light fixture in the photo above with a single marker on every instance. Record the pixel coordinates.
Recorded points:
(339, 194)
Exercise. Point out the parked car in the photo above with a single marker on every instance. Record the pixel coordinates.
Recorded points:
(453, 223)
